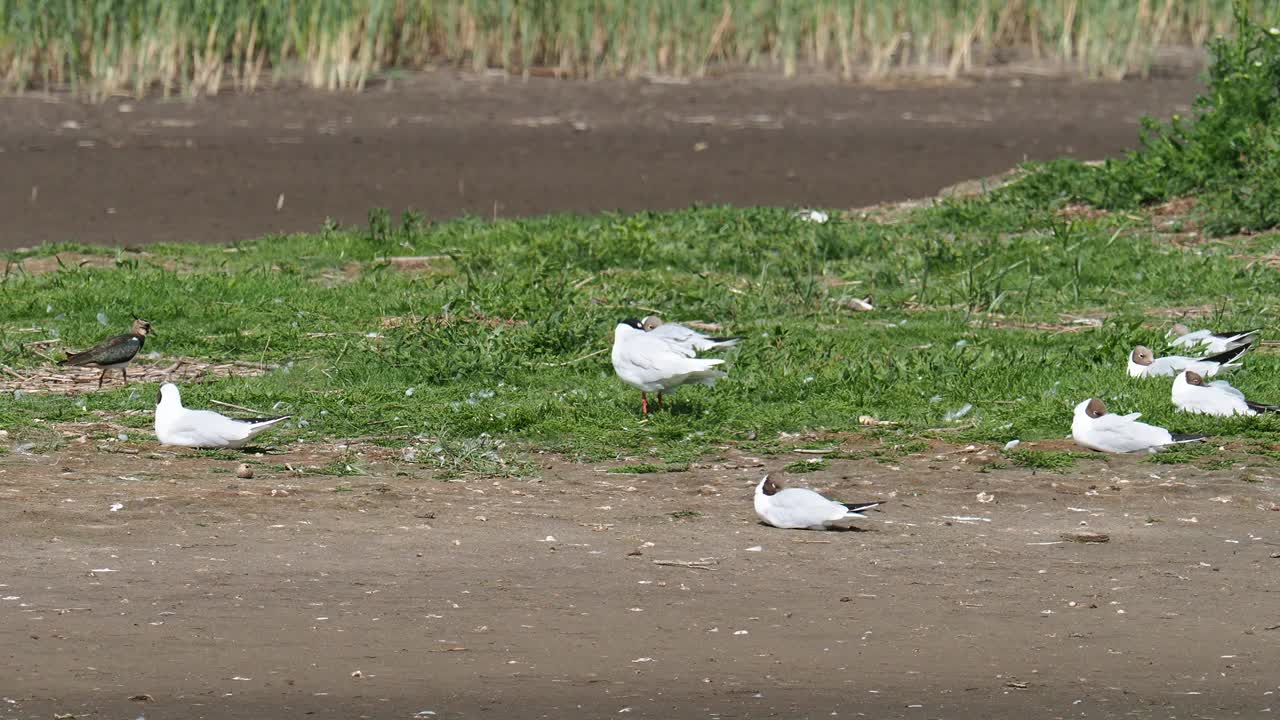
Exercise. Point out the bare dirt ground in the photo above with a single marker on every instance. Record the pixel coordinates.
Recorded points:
(393, 593)
(234, 167)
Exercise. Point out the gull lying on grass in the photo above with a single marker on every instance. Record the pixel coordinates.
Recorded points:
(1093, 427)
(1142, 363)
(650, 363)
(685, 337)
(1192, 394)
(804, 509)
(1212, 342)
(176, 425)
(114, 352)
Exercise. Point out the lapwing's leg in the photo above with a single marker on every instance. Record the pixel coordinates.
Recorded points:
(102, 377)
(124, 370)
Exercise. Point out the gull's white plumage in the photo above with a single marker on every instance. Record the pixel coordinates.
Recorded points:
(1212, 342)
(803, 509)
(1192, 394)
(685, 337)
(651, 364)
(177, 425)
(1093, 427)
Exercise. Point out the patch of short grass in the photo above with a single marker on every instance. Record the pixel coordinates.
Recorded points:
(646, 468)
(1042, 459)
(1181, 454)
(807, 466)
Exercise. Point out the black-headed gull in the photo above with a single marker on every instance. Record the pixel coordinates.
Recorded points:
(1093, 427)
(1192, 394)
(1142, 363)
(684, 336)
(650, 363)
(176, 425)
(1212, 342)
(804, 509)
(114, 353)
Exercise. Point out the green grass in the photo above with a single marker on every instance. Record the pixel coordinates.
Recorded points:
(1042, 459)
(500, 345)
(806, 466)
(506, 346)
(109, 47)
(648, 468)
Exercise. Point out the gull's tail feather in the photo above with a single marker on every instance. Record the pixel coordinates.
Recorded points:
(257, 425)
(1262, 407)
(1241, 336)
(723, 342)
(1179, 439)
(1225, 358)
(703, 377)
(856, 508)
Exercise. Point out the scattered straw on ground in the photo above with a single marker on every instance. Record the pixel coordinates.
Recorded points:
(66, 380)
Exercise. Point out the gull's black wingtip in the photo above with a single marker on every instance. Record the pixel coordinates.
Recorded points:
(858, 507)
(1177, 437)
(1227, 356)
(1261, 407)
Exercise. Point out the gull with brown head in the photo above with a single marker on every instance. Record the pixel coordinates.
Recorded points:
(652, 364)
(177, 425)
(685, 337)
(1095, 428)
(804, 509)
(1144, 363)
(1193, 394)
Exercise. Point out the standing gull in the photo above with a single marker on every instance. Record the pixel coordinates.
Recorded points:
(803, 509)
(114, 352)
(1093, 427)
(1192, 394)
(649, 363)
(1142, 363)
(684, 336)
(176, 425)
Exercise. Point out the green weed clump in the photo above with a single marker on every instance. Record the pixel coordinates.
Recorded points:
(107, 47)
(1227, 155)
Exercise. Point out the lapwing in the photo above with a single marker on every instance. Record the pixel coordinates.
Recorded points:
(114, 352)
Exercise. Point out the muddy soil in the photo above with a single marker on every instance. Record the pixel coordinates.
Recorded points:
(343, 582)
(234, 167)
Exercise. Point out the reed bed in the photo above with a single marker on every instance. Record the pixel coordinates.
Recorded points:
(102, 48)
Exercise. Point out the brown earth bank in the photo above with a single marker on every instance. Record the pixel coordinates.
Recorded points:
(235, 167)
(387, 591)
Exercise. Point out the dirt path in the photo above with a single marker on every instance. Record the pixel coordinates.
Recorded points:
(211, 597)
(230, 168)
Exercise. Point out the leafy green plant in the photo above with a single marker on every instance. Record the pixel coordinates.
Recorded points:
(1227, 155)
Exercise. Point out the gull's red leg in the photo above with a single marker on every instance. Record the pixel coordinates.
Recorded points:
(644, 403)
(659, 400)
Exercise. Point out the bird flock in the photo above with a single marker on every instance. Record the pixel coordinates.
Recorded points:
(657, 357)
(1093, 427)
